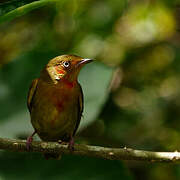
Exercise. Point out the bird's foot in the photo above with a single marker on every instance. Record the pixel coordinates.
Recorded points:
(71, 144)
(29, 140)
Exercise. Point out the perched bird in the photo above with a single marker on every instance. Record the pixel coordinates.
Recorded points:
(55, 100)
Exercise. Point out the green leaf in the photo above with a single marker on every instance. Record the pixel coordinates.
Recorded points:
(10, 5)
(22, 10)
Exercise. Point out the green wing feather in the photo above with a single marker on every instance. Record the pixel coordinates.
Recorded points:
(80, 109)
(31, 93)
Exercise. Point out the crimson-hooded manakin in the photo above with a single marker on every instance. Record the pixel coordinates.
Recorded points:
(55, 100)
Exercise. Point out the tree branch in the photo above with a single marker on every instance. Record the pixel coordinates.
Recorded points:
(91, 151)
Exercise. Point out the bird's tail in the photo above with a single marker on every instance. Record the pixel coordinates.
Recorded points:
(52, 156)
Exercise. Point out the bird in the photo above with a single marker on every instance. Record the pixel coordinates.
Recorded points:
(55, 100)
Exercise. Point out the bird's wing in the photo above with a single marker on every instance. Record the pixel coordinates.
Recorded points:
(31, 93)
(80, 109)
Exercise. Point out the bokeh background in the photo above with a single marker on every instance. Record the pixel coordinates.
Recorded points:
(132, 91)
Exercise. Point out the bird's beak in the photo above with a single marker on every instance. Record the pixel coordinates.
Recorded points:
(83, 62)
(75, 71)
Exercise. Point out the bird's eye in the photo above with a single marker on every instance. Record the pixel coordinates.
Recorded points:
(66, 64)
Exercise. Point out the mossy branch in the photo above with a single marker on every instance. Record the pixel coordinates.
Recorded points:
(91, 151)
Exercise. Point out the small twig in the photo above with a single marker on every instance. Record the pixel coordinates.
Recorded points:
(91, 151)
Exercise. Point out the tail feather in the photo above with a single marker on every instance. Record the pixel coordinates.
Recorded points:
(52, 156)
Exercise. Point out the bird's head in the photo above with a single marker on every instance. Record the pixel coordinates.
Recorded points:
(65, 67)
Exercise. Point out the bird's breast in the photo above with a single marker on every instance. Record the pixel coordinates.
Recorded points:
(58, 104)
(55, 111)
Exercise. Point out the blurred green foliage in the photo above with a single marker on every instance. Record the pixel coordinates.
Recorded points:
(132, 95)
(69, 167)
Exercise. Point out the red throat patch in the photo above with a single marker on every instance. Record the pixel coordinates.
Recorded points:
(69, 84)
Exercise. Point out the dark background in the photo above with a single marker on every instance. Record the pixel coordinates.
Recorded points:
(132, 91)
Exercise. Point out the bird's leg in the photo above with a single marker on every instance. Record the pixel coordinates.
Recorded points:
(71, 144)
(29, 140)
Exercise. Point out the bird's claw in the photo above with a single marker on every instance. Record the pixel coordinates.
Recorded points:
(28, 142)
(71, 144)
